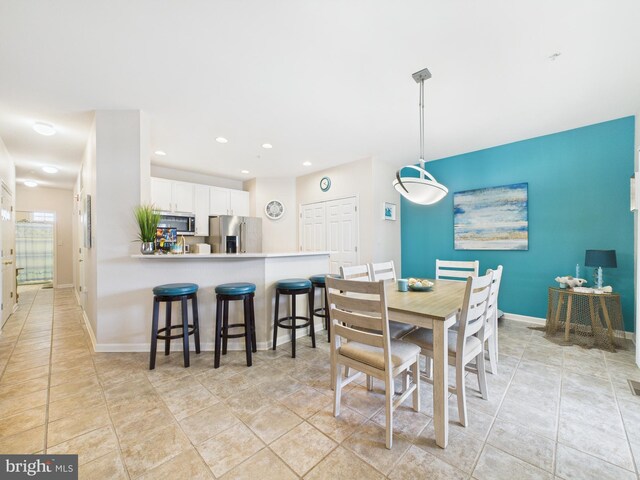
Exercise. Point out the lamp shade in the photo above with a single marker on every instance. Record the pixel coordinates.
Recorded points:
(423, 190)
(600, 258)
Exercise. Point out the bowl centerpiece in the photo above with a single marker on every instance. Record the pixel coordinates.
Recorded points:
(420, 285)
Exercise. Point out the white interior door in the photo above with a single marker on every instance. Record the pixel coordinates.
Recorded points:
(331, 226)
(313, 236)
(8, 254)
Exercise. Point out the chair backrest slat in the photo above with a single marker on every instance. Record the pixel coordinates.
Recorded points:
(383, 271)
(456, 270)
(474, 309)
(495, 291)
(353, 335)
(356, 272)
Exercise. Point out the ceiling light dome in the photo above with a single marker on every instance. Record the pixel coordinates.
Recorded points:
(44, 128)
(49, 169)
(424, 189)
(30, 183)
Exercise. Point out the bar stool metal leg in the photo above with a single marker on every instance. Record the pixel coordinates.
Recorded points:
(154, 334)
(254, 343)
(196, 321)
(167, 324)
(247, 329)
(312, 325)
(293, 325)
(216, 361)
(185, 331)
(225, 325)
(327, 320)
(275, 320)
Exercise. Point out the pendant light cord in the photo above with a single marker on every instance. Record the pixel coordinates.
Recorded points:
(422, 123)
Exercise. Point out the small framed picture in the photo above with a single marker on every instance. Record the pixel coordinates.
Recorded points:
(389, 211)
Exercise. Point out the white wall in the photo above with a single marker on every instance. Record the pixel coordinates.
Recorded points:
(277, 235)
(369, 179)
(59, 201)
(194, 177)
(7, 168)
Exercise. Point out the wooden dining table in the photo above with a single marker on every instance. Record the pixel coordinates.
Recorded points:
(437, 309)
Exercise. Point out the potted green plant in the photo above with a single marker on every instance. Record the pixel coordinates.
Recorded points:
(148, 220)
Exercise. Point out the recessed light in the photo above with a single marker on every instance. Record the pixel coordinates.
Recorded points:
(307, 163)
(49, 169)
(221, 140)
(30, 183)
(244, 171)
(44, 128)
(267, 145)
(160, 153)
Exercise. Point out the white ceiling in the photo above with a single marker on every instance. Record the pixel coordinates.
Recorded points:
(324, 81)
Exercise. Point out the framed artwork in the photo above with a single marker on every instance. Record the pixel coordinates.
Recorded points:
(494, 218)
(87, 221)
(389, 211)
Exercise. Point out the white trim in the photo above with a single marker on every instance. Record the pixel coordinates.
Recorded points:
(542, 321)
(93, 337)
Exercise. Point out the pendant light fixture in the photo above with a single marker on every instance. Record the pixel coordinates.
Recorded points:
(424, 189)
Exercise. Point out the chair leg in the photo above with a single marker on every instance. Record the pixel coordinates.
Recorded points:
(415, 372)
(312, 323)
(461, 393)
(154, 334)
(428, 368)
(369, 383)
(248, 342)
(493, 357)
(225, 326)
(275, 320)
(482, 375)
(167, 324)
(185, 331)
(337, 389)
(216, 357)
(388, 394)
(196, 322)
(293, 326)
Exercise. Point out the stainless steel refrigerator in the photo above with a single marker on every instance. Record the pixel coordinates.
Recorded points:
(233, 234)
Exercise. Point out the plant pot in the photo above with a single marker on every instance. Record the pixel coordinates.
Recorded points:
(147, 248)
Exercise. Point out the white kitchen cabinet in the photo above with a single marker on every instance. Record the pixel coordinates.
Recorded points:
(225, 201)
(183, 197)
(172, 196)
(202, 210)
(161, 193)
(239, 203)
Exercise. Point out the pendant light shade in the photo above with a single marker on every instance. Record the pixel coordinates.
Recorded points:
(423, 189)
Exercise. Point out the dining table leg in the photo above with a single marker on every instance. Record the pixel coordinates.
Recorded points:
(441, 381)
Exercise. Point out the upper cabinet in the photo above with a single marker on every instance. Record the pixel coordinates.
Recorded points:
(223, 201)
(202, 210)
(172, 196)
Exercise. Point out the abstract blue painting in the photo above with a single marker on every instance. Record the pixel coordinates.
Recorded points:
(493, 218)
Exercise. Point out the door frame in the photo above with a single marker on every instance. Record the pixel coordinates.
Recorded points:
(54, 249)
(340, 197)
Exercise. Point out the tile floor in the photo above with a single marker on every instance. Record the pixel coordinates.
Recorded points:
(553, 411)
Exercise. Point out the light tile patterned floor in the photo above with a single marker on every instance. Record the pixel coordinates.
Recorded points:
(553, 411)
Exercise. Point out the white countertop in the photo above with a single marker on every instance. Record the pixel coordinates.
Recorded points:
(226, 256)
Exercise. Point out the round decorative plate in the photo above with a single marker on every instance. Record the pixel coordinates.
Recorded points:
(325, 184)
(419, 288)
(274, 209)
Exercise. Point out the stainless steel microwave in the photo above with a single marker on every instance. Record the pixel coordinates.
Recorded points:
(184, 223)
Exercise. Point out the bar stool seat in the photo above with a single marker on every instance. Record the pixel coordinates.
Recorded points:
(319, 279)
(169, 293)
(224, 294)
(293, 287)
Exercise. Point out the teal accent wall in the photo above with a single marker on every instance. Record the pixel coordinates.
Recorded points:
(578, 200)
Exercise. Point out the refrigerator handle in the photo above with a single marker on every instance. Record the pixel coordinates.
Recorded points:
(243, 241)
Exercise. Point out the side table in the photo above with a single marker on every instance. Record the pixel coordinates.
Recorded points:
(593, 317)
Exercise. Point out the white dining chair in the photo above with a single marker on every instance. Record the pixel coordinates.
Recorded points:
(465, 343)
(355, 272)
(456, 270)
(491, 328)
(383, 271)
(358, 313)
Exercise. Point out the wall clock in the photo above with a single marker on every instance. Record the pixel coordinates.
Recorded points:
(325, 184)
(274, 209)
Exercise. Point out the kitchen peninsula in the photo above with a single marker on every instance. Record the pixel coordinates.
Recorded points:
(208, 271)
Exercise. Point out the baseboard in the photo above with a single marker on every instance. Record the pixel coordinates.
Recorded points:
(524, 318)
(542, 321)
(235, 345)
(87, 324)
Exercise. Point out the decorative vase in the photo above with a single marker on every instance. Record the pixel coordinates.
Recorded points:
(147, 248)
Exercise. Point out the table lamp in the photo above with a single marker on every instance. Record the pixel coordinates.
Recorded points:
(600, 259)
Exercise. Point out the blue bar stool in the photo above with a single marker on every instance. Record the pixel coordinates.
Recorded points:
(224, 294)
(318, 281)
(293, 287)
(173, 292)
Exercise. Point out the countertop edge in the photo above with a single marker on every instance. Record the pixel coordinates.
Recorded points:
(228, 256)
